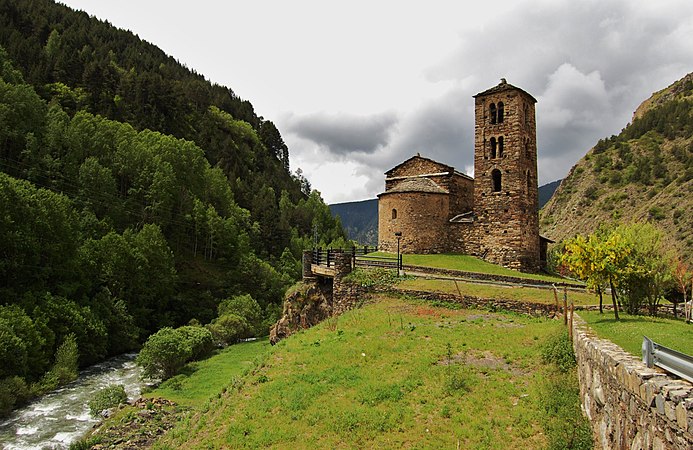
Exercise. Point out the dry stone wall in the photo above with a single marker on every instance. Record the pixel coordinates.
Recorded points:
(630, 405)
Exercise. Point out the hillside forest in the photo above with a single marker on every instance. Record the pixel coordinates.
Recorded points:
(134, 195)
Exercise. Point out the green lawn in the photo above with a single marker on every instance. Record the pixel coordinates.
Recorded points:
(629, 331)
(394, 374)
(202, 380)
(523, 294)
(466, 263)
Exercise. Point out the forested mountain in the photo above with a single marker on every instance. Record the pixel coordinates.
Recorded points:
(546, 192)
(360, 220)
(644, 173)
(134, 195)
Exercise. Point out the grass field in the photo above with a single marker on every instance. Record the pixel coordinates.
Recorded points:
(202, 380)
(523, 294)
(467, 263)
(628, 332)
(396, 373)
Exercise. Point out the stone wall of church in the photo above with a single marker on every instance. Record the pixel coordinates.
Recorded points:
(422, 218)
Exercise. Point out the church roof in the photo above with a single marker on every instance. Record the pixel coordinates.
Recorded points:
(444, 167)
(504, 86)
(418, 185)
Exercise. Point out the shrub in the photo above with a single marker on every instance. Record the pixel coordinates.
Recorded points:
(164, 353)
(64, 368)
(229, 328)
(199, 339)
(246, 307)
(13, 392)
(107, 398)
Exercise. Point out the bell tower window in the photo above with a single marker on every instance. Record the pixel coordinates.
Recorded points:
(394, 213)
(501, 112)
(500, 147)
(496, 178)
(494, 113)
(494, 147)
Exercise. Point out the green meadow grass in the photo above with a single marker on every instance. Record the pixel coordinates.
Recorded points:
(396, 373)
(523, 294)
(201, 380)
(628, 332)
(467, 263)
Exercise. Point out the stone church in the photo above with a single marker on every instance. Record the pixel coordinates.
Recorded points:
(494, 216)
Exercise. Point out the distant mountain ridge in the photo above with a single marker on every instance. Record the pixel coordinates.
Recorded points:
(360, 218)
(644, 173)
(546, 192)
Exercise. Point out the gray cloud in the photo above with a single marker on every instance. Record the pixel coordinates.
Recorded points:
(589, 64)
(342, 134)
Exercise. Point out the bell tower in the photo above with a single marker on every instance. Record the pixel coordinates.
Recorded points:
(506, 194)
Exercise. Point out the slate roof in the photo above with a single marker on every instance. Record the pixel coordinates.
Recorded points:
(418, 185)
(445, 167)
(504, 86)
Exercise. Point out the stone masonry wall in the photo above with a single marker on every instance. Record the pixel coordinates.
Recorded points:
(508, 218)
(422, 218)
(630, 405)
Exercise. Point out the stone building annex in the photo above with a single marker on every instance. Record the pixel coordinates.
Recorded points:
(493, 216)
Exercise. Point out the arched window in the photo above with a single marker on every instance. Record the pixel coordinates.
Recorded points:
(493, 113)
(496, 176)
(394, 213)
(493, 147)
(527, 153)
(500, 147)
(501, 112)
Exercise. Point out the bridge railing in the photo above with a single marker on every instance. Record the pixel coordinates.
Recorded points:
(360, 256)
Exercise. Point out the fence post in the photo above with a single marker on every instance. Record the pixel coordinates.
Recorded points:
(565, 305)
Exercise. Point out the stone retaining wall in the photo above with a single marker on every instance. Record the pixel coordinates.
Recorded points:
(630, 405)
(491, 277)
(468, 301)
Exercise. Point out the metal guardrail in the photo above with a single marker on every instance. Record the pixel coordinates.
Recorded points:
(670, 360)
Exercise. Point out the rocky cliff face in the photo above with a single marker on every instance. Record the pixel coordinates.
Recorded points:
(305, 305)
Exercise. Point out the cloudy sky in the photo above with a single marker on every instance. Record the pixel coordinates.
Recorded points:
(358, 86)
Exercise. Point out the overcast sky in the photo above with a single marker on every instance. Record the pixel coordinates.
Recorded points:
(356, 87)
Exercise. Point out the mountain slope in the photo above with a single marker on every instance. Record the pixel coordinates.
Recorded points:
(546, 192)
(359, 219)
(644, 173)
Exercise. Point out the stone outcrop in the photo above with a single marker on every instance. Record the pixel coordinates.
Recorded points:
(630, 405)
(305, 305)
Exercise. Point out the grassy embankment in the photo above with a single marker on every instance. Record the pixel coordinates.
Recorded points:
(397, 373)
(201, 380)
(521, 294)
(627, 333)
(467, 263)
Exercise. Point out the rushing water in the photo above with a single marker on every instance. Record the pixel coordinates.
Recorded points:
(61, 417)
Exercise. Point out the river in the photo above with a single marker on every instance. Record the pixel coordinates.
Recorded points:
(61, 417)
